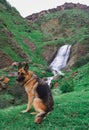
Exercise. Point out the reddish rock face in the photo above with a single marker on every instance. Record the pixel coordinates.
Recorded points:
(49, 53)
(70, 5)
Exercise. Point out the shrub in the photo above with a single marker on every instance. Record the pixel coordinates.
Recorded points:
(67, 86)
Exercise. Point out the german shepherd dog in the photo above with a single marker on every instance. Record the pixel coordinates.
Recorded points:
(39, 94)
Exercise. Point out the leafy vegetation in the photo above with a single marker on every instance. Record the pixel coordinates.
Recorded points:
(67, 86)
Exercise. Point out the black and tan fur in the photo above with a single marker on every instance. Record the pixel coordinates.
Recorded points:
(39, 94)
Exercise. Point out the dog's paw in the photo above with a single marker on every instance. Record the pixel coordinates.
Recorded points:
(24, 111)
(33, 113)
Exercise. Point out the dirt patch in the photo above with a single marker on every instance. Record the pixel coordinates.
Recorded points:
(77, 51)
(15, 46)
(30, 44)
(53, 22)
(5, 60)
(49, 52)
(50, 26)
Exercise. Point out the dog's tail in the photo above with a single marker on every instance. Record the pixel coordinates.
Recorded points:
(40, 117)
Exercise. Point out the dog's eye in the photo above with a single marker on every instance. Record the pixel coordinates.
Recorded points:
(22, 73)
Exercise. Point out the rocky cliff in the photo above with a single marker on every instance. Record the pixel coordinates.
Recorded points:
(65, 6)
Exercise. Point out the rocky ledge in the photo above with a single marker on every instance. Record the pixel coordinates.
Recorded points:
(65, 6)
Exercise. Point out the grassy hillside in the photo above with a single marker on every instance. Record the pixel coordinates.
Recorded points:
(63, 26)
(37, 43)
(28, 41)
(15, 40)
(70, 109)
(59, 28)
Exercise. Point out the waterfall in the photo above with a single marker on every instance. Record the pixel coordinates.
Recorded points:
(61, 58)
(59, 62)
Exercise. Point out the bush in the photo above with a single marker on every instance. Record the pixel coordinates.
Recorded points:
(67, 86)
(82, 61)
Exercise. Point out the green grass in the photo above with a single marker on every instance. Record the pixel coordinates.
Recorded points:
(70, 109)
(37, 35)
(70, 112)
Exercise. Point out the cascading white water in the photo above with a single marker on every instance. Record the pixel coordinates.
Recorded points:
(59, 62)
(61, 58)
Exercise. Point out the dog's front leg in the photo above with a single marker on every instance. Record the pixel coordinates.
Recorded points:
(31, 95)
(30, 100)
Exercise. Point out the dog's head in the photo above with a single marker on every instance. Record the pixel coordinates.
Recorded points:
(23, 73)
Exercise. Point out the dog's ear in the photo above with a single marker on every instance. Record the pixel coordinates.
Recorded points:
(19, 65)
(26, 67)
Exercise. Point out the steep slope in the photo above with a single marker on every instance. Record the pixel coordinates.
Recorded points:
(8, 43)
(34, 40)
(60, 27)
(15, 40)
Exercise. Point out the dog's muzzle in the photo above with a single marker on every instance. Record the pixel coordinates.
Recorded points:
(20, 79)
